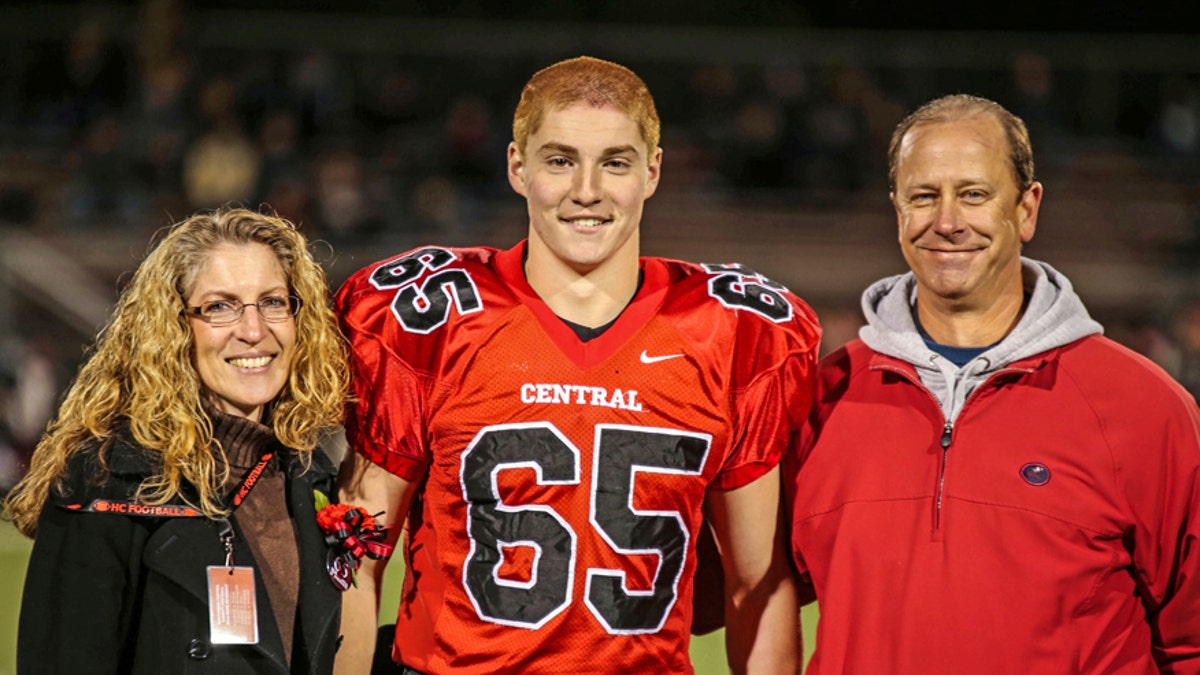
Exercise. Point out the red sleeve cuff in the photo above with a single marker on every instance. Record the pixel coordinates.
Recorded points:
(410, 469)
(743, 475)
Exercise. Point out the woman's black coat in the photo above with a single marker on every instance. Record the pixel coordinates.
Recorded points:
(123, 594)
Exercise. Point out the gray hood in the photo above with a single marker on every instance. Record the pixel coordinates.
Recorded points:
(1055, 316)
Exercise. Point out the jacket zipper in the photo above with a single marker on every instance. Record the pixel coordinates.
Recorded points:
(947, 434)
(948, 429)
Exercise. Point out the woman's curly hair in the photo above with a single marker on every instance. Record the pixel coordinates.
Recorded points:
(141, 369)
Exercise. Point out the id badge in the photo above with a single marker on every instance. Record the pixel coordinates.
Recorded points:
(232, 614)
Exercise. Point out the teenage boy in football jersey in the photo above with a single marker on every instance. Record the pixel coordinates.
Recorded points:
(557, 421)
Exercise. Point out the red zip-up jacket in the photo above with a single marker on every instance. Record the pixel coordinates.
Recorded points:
(1053, 528)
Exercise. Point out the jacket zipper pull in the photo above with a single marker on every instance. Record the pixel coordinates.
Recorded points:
(946, 435)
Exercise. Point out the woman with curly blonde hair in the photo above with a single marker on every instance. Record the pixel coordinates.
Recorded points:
(187, 444)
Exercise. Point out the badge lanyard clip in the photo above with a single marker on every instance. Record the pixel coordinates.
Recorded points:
(227, 537)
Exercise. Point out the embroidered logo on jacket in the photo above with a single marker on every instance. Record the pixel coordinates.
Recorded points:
(1036, 474)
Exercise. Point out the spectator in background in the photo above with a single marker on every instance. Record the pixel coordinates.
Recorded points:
(85, 79)
(342, 207)
(757, 156)
(322, 92)
(1035, 99)
(713, 90)
(159, 26)
(28, 366)
(104, 190)
(471, 145)
(158, 126)
(987, 484)
(438, 206)
(835, 136)
(283, 179)
(222, 166)
(1178, 123)
(11, 459)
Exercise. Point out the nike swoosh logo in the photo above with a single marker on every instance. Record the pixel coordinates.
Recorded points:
(646, 358)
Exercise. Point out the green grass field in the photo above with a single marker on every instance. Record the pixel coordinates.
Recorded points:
(708, 652)
(14, 553)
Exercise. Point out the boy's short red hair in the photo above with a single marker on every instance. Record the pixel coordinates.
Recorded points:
(592, 81)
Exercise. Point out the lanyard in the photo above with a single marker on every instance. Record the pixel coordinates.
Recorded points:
(239, 496)
(250, 480)
(128, 508)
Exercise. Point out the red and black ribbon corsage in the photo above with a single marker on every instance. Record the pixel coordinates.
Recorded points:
(351, 534)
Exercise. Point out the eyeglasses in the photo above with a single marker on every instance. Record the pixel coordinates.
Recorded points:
(273, 308)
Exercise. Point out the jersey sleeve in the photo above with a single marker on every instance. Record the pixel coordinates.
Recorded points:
(384, 417)
(778, 364)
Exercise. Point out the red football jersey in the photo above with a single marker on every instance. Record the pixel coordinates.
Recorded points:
(564, 480)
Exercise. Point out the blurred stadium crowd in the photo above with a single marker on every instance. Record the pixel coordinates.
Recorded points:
(379, 133)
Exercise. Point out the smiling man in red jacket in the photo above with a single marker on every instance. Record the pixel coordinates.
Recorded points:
(987, 484)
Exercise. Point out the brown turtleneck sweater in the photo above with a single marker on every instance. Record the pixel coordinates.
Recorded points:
(263, 517)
